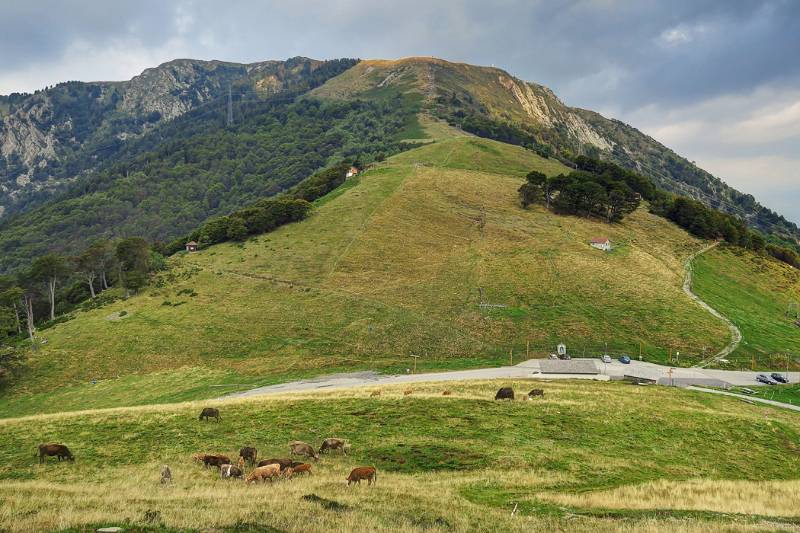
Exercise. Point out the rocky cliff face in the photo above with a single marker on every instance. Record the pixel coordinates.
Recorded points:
(456, 91)
(51, 137)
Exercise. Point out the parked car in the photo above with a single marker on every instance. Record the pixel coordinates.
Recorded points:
(762, 378)
(625, 360)
(779, 377)
(606, 358)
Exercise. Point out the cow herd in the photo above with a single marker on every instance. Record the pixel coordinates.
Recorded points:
(268, 469)
(275, 468)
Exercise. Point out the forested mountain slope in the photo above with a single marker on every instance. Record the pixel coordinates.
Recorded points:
(53, 136)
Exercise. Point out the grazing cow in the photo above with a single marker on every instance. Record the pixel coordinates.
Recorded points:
(334, 444)
(301, 448)
(216, 460)
(506, 393)
(262, 473)
(446, 393)
(166, 475)
(362, 472)
(59, 450)
(283, 463)
(302, 468)
(210, 412)
(375, 393)
(249, 454)
(198, 457)
(536, 392)
(407, 392)
(230, 471)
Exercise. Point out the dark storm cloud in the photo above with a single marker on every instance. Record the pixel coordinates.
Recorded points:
(677, 69)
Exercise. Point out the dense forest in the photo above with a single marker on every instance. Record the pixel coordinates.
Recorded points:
(160, 189)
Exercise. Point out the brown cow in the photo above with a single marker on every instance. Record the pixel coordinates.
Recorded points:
(446, 393)
(362, 472)
(301, 448)
(210, 412)
(284, 463)
(216, 460)
(536, 392)
(407, 392)
(334, 444)
(198, 457)
(262, 473)
(302, 468)
(249, 454)
(240, 464)
(51, 449)
(375, 393)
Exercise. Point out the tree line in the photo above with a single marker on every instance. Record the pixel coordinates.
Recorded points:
(595, 189)
(604, 190)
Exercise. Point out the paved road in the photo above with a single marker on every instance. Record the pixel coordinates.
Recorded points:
(526, 370)
(736, 334)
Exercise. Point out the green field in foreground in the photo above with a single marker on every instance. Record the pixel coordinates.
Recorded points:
(391, 265)
(755, 293)
(588, 456)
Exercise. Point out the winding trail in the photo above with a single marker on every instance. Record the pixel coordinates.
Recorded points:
(736, 334)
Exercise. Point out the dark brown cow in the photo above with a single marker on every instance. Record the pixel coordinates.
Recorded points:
(210, 412)
(505, 393)
(536, 392)
(215, 460)
(301, 448)
(334, 444)
(249, 454)
(59, 450)
(284, 463)
(446, 393)
(363, 472)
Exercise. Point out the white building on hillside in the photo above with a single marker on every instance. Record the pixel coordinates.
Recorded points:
(601, 243)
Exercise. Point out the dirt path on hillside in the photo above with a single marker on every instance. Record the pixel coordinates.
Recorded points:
(736, 334)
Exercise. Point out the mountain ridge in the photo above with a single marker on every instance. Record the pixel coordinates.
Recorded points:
(42, 152)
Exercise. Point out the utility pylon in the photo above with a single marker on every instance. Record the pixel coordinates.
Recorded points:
(230, 107)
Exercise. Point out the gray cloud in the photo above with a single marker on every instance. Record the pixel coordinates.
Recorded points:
(666, 67)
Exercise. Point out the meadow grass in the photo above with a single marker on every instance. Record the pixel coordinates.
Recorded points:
(388, 266)
(455, 462)
(755, 293)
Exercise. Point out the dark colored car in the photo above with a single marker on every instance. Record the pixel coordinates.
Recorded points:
(762, 378)
(625, 360)
(779, 377)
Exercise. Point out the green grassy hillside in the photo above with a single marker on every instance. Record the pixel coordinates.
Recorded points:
(755, 292)
(586, 457)
(388, 266)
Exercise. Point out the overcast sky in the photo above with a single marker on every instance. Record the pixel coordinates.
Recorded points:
(718, 81)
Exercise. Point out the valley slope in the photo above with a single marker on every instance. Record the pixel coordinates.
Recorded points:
(391, 264)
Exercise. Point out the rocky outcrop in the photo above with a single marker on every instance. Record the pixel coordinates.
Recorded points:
(37, 133)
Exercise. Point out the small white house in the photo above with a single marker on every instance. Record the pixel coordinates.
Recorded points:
(352, 172)
(601, 243)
